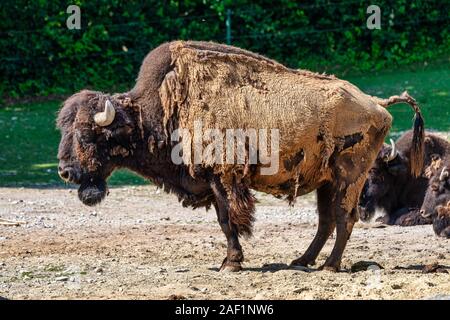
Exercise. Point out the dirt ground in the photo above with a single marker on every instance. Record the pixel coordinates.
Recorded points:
(141, 244)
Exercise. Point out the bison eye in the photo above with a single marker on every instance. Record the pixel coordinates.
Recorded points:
(434, 187)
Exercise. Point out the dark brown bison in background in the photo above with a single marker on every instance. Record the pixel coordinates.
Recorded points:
(441, 221)
(392, 188)
(330, 133)
(437, 199)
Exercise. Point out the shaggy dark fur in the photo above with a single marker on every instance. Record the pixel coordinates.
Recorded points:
(390, 186)
(437, 200)
(410, 217)
(242, 208)
(417, 151)
(441, 223)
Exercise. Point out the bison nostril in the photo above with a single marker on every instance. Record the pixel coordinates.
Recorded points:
(69, 174)
(64, 174)
(424, 214)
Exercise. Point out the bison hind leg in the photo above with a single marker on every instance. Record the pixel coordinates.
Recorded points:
(326, 226)
(348, 179)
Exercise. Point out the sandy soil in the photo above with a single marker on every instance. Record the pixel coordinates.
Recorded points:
(141, 244)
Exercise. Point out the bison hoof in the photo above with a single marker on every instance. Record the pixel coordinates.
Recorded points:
(230, 266)
(329, 268)
(300, 262)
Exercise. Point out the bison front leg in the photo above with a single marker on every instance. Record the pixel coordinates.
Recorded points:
(327, 223)
(232, 261)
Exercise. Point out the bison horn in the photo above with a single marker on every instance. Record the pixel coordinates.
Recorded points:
(106, 117)
(444, 174)
(394, 152)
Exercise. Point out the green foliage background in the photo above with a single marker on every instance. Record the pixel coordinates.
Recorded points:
(40, 56)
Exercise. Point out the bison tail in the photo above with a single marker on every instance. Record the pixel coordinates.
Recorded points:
(242, 209)
(417, 151)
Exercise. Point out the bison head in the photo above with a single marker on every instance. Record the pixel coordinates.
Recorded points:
(441, 222)
(438, 192)
(379, 189)
(96, 138)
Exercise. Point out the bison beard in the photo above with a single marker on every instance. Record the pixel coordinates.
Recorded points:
(92, 191)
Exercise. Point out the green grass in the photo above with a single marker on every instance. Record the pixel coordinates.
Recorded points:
(431, 89)
(29, 139)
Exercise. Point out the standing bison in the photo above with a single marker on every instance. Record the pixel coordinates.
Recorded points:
(329, 133)
(392, 188)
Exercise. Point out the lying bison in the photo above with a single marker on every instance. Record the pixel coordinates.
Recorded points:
(441, 221)
(392, 188)
(437, 198)
(329, 134)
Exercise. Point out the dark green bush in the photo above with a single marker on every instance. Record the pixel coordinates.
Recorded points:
(40, 56)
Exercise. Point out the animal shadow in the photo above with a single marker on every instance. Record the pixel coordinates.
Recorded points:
(272, 267)
(424, 268)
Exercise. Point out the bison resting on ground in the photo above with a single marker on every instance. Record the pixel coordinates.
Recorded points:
(329, 133)
(437, 198)
(391, 187)
(441, 221)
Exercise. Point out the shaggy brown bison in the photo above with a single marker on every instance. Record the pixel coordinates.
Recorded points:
(392, 188)
(328, 135)
(441, 222)
(437, 200)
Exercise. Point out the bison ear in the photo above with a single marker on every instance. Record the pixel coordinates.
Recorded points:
(397, 169)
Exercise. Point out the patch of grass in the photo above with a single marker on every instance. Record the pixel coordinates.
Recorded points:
(54, 268)
(27, 274)
(431, 89)
(29, 138)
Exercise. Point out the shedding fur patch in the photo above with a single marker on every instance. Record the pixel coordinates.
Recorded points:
(433, 167)
(172, 96)
(229, 88)
(352, 194)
